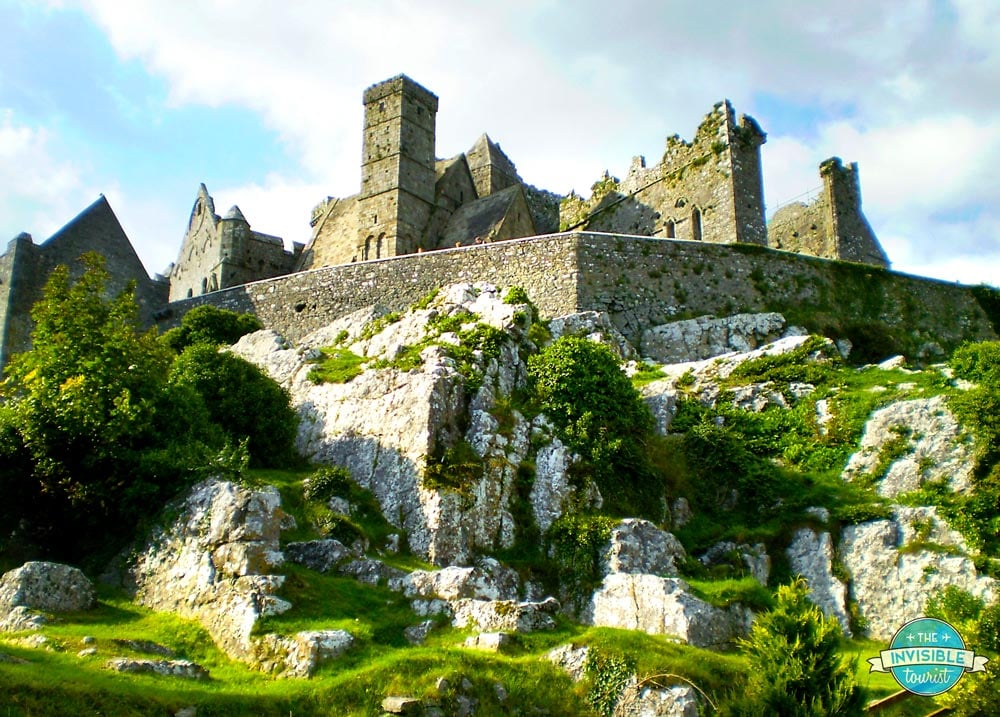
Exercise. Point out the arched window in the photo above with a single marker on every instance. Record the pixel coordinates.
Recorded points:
(696, 224)
(668, 229)
(378, 246)
(367, 248)
(204, 285)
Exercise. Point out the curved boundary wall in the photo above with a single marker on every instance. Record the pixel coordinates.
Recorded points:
(640, 282)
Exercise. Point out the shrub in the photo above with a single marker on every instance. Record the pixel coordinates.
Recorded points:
(796, 665)
(575, 542)
(242, 400)
(326, 483)
(597, 411)
(209, 325)
(82, 409)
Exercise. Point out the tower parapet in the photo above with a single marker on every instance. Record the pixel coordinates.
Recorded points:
(397, 167)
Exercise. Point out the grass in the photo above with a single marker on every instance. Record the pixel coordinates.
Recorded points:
(337, 365)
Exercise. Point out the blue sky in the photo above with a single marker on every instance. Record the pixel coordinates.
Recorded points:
(261, 101)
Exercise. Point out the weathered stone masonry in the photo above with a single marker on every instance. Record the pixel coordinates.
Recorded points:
(640, 282)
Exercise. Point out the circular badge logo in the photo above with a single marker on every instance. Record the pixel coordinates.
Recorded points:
(927, 656)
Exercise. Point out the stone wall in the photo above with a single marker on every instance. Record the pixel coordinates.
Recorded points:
(833, 225)
(297, 304)
(709, 189)
(640, 282)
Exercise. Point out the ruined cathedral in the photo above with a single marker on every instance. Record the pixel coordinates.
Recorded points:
(707, 189)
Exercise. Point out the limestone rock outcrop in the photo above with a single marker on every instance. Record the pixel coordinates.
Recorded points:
(387, 425)
(45, 587)
(708, 336)
(892, 576)
(214, 563)
(664, 606)
(934, 447)
(639, 547)
(810, 554)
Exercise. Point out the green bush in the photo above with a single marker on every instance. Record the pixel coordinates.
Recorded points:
(609, 674)
(326, 483)
(209, 325)
(576, 542)
(796, 667)
(84, 410)
(598, 413)
(242, 400)
(978, 362)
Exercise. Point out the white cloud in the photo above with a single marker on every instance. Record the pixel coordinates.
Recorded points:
(907, 89)
(41, 191)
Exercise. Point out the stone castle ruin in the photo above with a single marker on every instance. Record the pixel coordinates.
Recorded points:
(708, 190)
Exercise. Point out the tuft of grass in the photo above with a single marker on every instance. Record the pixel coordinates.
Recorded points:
(337, 365)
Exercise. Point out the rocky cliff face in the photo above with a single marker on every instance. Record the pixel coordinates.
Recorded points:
(426, 422)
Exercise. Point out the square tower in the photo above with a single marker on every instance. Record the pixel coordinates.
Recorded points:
(397, 167)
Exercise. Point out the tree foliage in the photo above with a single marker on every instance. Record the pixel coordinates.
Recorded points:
(796, 667)
(79, 409)
(241, 400)
(599, 414)
(209, 325)
(94, 435)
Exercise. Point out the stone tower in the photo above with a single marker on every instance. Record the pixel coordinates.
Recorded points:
(397, 168)
(832, 226)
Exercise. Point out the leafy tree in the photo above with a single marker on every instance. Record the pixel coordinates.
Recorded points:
(796, 667)
(598, 413)
(209, 325)
(241, 400)
(80, 408)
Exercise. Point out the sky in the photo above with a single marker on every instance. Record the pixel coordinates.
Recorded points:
(261, 101)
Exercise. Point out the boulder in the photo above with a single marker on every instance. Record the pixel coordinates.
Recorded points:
(707, 336)
(664, 606)
(490, 641)
(892, 577)
(48, 587)
(741, 557)
(646, 701)
(417, 634)
(505, 615)
(166, 668)
(936, 447)
(571, 659)
(300, 654)
(810, 554)
(596, 326)
(320, 555)
(638, 546)
(488, 580)
(371, 571)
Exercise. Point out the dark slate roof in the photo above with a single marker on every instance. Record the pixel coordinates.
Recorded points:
(478, 219)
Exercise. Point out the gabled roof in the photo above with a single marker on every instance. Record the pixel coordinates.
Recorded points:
(96, 229)
(480, 220)
(487, 152)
